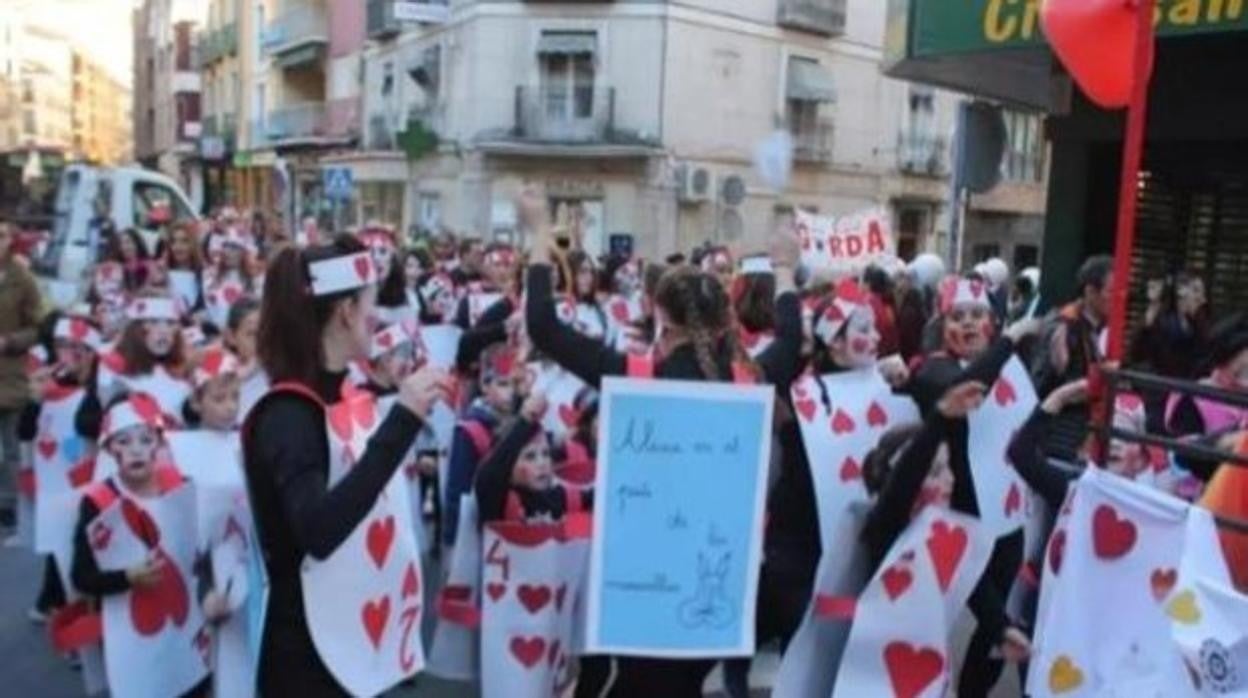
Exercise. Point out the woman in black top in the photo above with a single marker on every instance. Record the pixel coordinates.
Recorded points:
(697, 343)
(286, 447)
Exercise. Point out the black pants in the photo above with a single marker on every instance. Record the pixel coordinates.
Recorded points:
(634, 677)
(51, 591)
(290, 665)
(980, 672)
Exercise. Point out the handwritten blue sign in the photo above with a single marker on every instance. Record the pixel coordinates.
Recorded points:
(678, 518)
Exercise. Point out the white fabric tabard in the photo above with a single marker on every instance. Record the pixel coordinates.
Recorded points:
(363, 603)
(159, 629)
(1003, 496)
(900, 641)
(455, 651)
(531, 575)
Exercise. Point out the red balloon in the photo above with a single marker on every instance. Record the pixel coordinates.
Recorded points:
(1095, 40)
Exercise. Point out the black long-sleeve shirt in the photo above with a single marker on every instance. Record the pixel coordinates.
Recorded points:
(287, 466)
(493, 482)
(84, 572)
(1026, 453)
(491, 328)
(590, 360)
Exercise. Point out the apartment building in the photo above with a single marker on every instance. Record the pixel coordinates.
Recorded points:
(100, 114)
(645, 116)
(166, 115)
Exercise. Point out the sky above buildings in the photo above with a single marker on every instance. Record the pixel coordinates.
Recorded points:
(101, 27)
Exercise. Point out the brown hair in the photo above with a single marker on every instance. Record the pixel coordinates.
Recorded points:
(132, 347)
(187, 228)
(696, 302)
(754, 301)
(288, 342)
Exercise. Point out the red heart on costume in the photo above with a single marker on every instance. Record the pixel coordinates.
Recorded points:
(1095, 41)
(1057, 550)
(1112, 536)
(842, 423)
(411, 582)
(340, 421)
(385, 340)
(619, 311)
(850, 470)
(911, 670)
(495, 590)
(168, 600)
(946, 544)
(363, 265)
(82, 473)
(1162, 582)
(101, 536)
(806, 408)
(528, 651)
(1004, 392)
(569, 416)
(560, 593)
(140, 523)
(231, 294)
(78, 330)
(47, 448)
(533, 598)
(896, 581)
(1013, 500)
(379, 539)
(364, 411)
(876, 416)
(146, 407)
(375, 615)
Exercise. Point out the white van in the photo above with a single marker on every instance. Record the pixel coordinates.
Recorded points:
(127, 195)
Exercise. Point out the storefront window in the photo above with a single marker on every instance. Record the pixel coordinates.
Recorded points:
(381, 201)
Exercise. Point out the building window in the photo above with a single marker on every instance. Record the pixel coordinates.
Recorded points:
(911, 227)
(567, 65)
(429, 211)
(1024, 155)
(387, 78)
(381, 201)
(984, 252)
(1026, 256)
(28, 123)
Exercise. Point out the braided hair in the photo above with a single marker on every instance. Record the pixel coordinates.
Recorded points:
(696, 302)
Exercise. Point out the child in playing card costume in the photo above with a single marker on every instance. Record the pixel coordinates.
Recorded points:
(752, 293)
(230, 277)
(184, 266)
(150, 357)
(344, 577)
(697, 343)
(132, 432)
(62, 422)
(214, 403)
(500, 267)
(392, 305)
(968, 329)
(240, 338)
(474, 435)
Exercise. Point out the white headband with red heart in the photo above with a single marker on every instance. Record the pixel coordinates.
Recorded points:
(377, 237)
(956, 291)
(388, 340)
(75, 329)
(848, 299)
(214, 363)
(139, 409)
(345, 273)
(153, 309)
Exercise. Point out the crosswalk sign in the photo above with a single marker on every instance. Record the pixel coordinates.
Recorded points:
(337, 182)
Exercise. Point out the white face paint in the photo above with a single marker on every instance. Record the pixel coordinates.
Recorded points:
(135, 450)
(862, 341)
(159, 336)
(383, 257)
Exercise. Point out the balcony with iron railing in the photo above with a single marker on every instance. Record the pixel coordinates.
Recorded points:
(214, 44)
(584, 114)
(336, 120)
(299, 33)
(824, 17)
(813, 143)
(921, 153)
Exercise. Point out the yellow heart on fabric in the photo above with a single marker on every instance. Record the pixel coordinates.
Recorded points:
(1064, 676)
(1184, 609)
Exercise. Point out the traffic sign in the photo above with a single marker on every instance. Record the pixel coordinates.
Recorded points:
(337, 182)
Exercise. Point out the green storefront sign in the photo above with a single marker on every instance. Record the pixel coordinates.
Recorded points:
(943, 27)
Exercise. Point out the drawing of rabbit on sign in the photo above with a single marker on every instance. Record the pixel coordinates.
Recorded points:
(709, 606)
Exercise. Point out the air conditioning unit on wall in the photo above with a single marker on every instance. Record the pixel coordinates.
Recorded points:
(694, 184)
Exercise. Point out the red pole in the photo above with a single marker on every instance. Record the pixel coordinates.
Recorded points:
(1132, 152)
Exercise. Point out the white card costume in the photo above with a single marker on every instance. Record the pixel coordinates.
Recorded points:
(170, 392)
(532, 575)
(363, 603)
(155, 640)
(185, 286)
(560, 388)
(442, 343)
(480, 301)
(1000, 491)
(62, 467)
(900, 642)
(1210, 629)
(1111, 591)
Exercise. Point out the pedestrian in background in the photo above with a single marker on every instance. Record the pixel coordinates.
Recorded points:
(19, 320)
